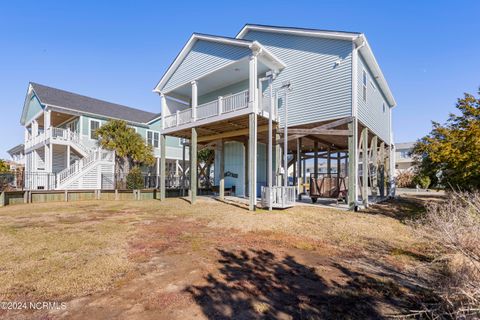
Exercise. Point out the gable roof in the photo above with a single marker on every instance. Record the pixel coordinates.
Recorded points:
(357, 38)
(76, 102)
(252, 45)
(16, 150)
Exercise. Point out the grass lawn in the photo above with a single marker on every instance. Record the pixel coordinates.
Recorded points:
(171, 260)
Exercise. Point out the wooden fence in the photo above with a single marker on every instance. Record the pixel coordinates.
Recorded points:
(41, 196)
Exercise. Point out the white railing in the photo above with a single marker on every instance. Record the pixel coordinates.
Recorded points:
(82, 164)
(265, 104)
(34, 140)
(57, 134)
(235, 102)
(207, 110)
(278, 197)
(184, 116)
(170, 121)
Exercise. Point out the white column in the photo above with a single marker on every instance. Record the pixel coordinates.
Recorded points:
(163, 107)
(34, 128)
(194, 100)
(68, 156)
(47, 115)
(252, 89)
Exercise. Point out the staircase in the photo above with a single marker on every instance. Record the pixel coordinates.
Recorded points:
(65, 136)
(94, 171)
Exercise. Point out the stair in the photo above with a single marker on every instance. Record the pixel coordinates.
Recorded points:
(65, 136)
(88, 172)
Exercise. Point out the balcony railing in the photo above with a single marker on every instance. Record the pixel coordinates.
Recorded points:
(222, 105)
(58, 134)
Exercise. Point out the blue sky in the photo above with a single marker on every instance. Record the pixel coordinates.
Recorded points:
(118, 50)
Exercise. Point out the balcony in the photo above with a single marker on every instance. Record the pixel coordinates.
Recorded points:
(55, 135)
(223, 108)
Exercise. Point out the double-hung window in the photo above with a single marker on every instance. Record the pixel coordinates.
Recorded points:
(364, 85)
(94, 125)
(153, 138)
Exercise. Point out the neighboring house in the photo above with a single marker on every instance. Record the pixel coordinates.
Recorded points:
(61, 151)
(17, 156)
(403, 157)
(220, 93)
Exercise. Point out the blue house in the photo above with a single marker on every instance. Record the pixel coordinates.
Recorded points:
(60, 147)
(271, 98)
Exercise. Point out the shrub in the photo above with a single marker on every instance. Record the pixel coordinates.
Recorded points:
(422, 180)
(452, 228)
(135, 179)
(405, 179)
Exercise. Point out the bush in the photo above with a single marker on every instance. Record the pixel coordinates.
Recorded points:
(422, 180)
(135, 179)
(452, 228)
(405, 179)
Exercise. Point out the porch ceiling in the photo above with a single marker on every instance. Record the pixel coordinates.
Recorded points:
(228, 75)
(229, 129)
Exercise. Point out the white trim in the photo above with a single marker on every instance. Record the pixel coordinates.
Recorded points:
(357, 38)
(364, 85)
(90, 128)
(34, 118)
(153, 138)
(195, 37)
(295, 31)
(84, 113)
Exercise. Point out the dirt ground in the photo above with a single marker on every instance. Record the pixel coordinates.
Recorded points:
(172, 260)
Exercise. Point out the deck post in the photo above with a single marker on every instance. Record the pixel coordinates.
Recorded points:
(315, 159)
(374, 157)
(252, 136)
(365, 165)
(162, 166)
(278, 159)
(252, 161)
(329, 163)
(381, 170)
(299, 167)
(193, 166)
(194, 100)
(221, 188)
(352, 164)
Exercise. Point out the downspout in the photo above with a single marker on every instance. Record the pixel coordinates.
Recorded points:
(355, 103)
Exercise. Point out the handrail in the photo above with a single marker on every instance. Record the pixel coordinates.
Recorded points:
(207, 110)
(226, 104)
(100, 155)
(235, 102)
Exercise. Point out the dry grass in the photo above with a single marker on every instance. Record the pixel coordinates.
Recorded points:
(65, 250)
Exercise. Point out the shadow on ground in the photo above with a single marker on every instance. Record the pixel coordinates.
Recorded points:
(404, 208)
(256, 284)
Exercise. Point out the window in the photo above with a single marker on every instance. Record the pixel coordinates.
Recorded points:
(364, 85)
(134, 128)
(94, 125)
(153, 138)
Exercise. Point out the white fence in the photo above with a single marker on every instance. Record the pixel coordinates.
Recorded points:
(278, 197)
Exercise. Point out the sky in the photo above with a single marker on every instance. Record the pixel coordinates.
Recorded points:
(118, 50)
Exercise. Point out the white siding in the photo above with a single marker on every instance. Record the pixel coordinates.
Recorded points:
(371, 113)
(59, 158)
